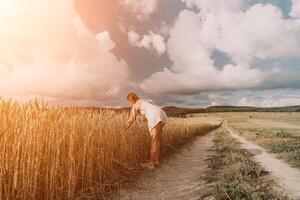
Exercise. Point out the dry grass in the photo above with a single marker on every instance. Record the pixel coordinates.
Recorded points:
(235, 175)
(74, 153)
(283, 142)
(279, 133)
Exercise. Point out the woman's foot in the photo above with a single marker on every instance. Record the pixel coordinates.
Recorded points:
(156, 163)
(148, 166)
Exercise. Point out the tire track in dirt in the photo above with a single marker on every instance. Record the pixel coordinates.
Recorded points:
(178, 177)
(286, 176)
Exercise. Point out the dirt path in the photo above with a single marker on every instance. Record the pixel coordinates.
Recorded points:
(178, 177)
(287, 177)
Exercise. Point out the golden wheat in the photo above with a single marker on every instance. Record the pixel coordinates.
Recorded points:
(58, 153)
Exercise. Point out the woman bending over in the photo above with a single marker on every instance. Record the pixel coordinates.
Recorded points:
(156, 118)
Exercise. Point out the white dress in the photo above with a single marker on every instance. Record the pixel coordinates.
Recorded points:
(153, 113)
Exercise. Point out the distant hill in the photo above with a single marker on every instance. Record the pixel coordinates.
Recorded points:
(178, 111)
(252, 109)
(181, 112)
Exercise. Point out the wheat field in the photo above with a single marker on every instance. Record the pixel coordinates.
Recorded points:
(75, 153)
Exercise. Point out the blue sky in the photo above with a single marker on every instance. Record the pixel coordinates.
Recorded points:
(285, 5)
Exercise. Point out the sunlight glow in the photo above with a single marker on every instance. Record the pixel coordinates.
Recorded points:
(47, 50)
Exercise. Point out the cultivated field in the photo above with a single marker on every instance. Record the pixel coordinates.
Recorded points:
(279, 132)
(77, 153)
(55, 153)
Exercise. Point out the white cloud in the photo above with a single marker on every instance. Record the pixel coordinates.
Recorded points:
(295, 12)
(223, 26)
(164, 29)
(280, 102)
(51, 53)
(214, 103)
(244, 101)
(148, 41)
(266, 98)
(270, 101)
(141, 8)
(104, 38)
(133, 37)
(215, 6)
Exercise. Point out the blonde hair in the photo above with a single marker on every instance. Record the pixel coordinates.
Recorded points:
(132, 97)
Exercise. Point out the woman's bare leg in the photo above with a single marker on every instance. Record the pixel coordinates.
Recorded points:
(155, 143)
(155, 146)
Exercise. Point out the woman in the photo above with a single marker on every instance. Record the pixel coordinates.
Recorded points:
(156, 118)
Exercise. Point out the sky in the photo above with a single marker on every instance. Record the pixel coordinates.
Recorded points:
(192, 53)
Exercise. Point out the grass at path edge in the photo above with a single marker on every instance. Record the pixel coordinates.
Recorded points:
(234, 175)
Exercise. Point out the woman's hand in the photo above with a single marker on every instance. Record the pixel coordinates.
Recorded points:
(128, 124)
(132, 117)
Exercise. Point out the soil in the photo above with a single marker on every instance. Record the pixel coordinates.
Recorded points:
(177, 177)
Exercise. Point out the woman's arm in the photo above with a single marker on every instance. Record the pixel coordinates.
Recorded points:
(132, 117)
